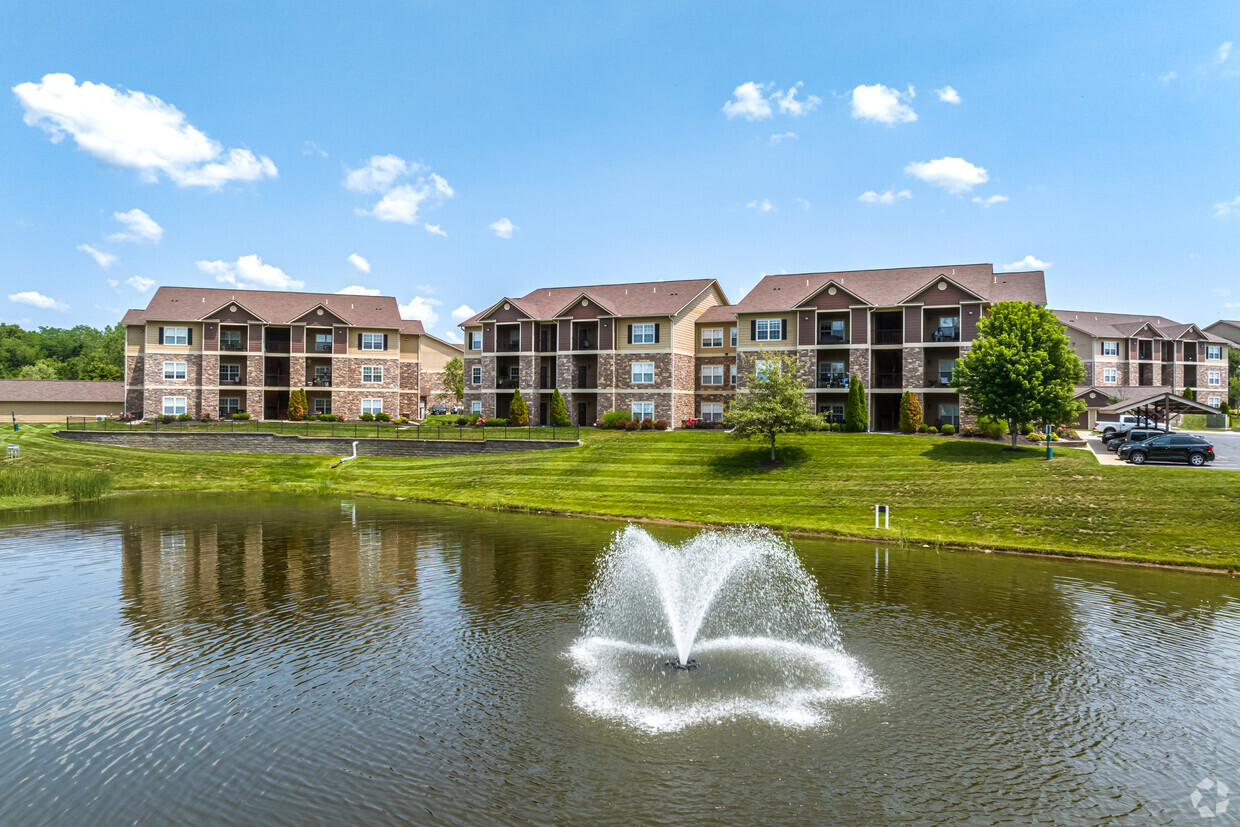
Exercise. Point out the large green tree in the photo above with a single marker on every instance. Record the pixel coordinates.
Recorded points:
(772, 402)
(1233, 371)
(82, 352)
(454, 378)
(856, 415)
(1021, 368)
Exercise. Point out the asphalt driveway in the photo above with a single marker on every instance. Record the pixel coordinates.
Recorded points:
(1226, 450)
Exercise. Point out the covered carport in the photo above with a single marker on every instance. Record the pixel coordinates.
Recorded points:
(1160, 408)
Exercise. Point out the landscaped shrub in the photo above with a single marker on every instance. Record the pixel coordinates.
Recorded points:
(647, 424)
(404, 420)
(910, 413)
(495, 423)
(184, 417)
(856, 417)
(660, 424)
(991, 427)
(167, 418)
(241, 416)
(367, 417)
(559, 411)
(1027, 428)
(970, 430)
(518, 411)
(933, 430)
(297, 405)
(631, 425)
(615, 419)
(949, 430)
(383, 417)
(835, 427)
(923, 428)
(328, 417)
(206, 416)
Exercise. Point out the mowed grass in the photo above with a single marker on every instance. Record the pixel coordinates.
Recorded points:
(951, 491)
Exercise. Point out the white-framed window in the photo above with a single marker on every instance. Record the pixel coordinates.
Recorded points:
(230, 373)
(372, 341)
(514, 373)
(947, 370)
(1110, 348)
(643, 334)
(768, 330)
(475, 406)
(949, 413)
(643, 372)
(732, 374)
(176, 335)
(372, 406)
(322, 375)
(761, 366)
(230, 405)
(322, 343)
(475, 375)
(322, 406)
(832, 411)
(1214, 402)
(712, 411)
(712, 337)
(174, 370)
(174, 405)
(1214, 351)
(372, 374)
(231, 340)
(733, 337)
(642, 410)
(475, 341)
(1214, 378)
(1110, 375)
(712, 374)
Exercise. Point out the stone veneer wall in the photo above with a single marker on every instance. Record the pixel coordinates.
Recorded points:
(157, 387)
(913, 373)
(135, 381)
(684, 401)
(859, 364)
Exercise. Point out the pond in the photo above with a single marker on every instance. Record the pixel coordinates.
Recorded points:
(261, 659)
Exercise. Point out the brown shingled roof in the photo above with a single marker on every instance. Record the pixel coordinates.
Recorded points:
(1117, 325)
(186, 304)
(719, 313)
(650, 298)
(60, 390)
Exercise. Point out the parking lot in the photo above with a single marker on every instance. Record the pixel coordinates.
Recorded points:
(1226, 450)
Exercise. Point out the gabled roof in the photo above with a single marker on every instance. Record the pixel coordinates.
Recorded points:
(60, 390)
(888, 288)
(211, 314)
(1123, 325)
(719, 313)
(189, 304)
(650, 298)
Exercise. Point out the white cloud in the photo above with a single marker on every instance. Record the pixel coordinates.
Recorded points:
(38, 300)
(435, 229)
(453, 335)
(804, 204)
(1167, 78)
(948, 95)
(1028, 263)
(311, 148)
(428, 289)
(885, 198)
(423, 309)
(789, 105)
(358, 290)
(955, 175)
(783, 136)
(989, 201)
(249, 273)
(139, 228)
(761, 206)
(1225, 208)
(503, 228)
(748, 102)
(113, 283)
(401, 204)
(140, 283)
(1224, 52)
(441, 186)
(104, 260)
(883, 104)
(135, 130)
(379, 173)
(462, 313)
(360, 263)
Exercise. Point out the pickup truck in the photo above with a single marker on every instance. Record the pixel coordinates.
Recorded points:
(1126, 422)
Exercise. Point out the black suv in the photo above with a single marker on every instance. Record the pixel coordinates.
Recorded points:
(1168, 448)
(1131, 435)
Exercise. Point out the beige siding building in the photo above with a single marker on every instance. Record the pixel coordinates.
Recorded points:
(52, 400)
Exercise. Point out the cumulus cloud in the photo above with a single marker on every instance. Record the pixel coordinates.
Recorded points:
(1224, 52)
(989, 201)
(140, 283)
(1028, 263)
(955, 175)
(39, 300)
(503, 228)
(358, 290)
(761, 206)
(804, 204)
(360, 263)
(883, 104)
(462, 313)
(748, 103)
(885, 198)
(423, 309)
(379, 173)
(435, 229)
(789, 105)
(948, 95)
(249, 273)
(139, 228)
(783, 136)
(104, 260)
(137, 131)
(453, 335)
(1225, 208)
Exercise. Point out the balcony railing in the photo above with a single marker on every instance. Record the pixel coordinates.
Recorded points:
(942, 380)
(277, 348)
(230, 380)
(887, 380)
(236, 347)
(832, 339)
(507, 383)
(322, 347)
(833, 380)
(586, 344)
(321, 382)
(509, 347)
(943, 334)
(585, 384)
(888, 337)
(276, 380)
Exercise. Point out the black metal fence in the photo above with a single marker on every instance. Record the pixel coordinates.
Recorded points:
(355, 430)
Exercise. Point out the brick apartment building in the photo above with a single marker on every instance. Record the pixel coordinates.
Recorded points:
(195, 349)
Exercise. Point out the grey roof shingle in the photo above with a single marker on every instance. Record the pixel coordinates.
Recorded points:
(60, 390)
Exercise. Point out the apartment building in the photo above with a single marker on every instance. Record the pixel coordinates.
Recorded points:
(628, 347)
(193, 350)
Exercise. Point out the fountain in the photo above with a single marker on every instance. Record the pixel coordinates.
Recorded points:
(726, 625)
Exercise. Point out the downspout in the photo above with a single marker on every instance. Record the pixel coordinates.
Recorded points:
(346, 459)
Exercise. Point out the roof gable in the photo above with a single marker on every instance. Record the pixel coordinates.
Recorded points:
(943, 293)
(319, 316)
(233, 312)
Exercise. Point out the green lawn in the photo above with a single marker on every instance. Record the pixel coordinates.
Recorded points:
(953, 491)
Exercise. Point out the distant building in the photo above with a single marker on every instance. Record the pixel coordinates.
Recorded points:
(51, 400)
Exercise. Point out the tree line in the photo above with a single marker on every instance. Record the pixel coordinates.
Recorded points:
(81, 352)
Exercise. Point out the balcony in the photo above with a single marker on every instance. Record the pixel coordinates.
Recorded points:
(587, 384)
(229, 380)
(945, 334)
(321, 347)
(321, 381)
(833, 380)
(513, 346)
(508, 383)
(276, 380)
(888, 336)
(585, 343)
(832, 339)
(887, 380)
(235, 347)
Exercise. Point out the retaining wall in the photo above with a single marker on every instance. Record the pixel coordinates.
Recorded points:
(326, 446)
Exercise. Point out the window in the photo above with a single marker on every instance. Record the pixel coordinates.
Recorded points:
(475, 406)
(1110, 348)
(323, 376)
(174, 370)
(230, 374)
(322, 343)
(768, 330)
(712, 337)
(475, 342)
(732, 373)
(514, 373)
(949, 414)
(1213, 402)
(949, 325)
(372, 341)
(475, 375)
(643, 334)
(1214, 351)
(642, 410)
(733, 337)
(831, 332)
(230, 405)
(372, 406)
(643, 372)
(174, 405)
(712, 374)
(176, 335)
(1110, 375)
(372, 374)
(712, 411)
(833, 412)
(322, 406)
(761, 366)
(1214, 377)
(947, 369)
(230, 340)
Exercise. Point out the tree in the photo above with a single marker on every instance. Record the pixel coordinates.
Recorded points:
(1233, 372)
(559, 411)
(856, 416)
(910, 413)
(454, 378)
(1190, 394)
(298, 407)
(1021, 368)
(518, 411)
(42, 369)
(772, 403)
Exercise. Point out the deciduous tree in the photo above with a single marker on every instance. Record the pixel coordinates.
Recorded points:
(454, 378)
(772, 403)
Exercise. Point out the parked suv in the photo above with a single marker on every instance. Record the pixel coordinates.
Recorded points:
(1168, 448)
(1126, 422)
(1131, 435)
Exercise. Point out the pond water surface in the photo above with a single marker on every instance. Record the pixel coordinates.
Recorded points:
(279, 659)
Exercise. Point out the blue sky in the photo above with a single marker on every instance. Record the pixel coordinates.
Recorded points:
(467, 151)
